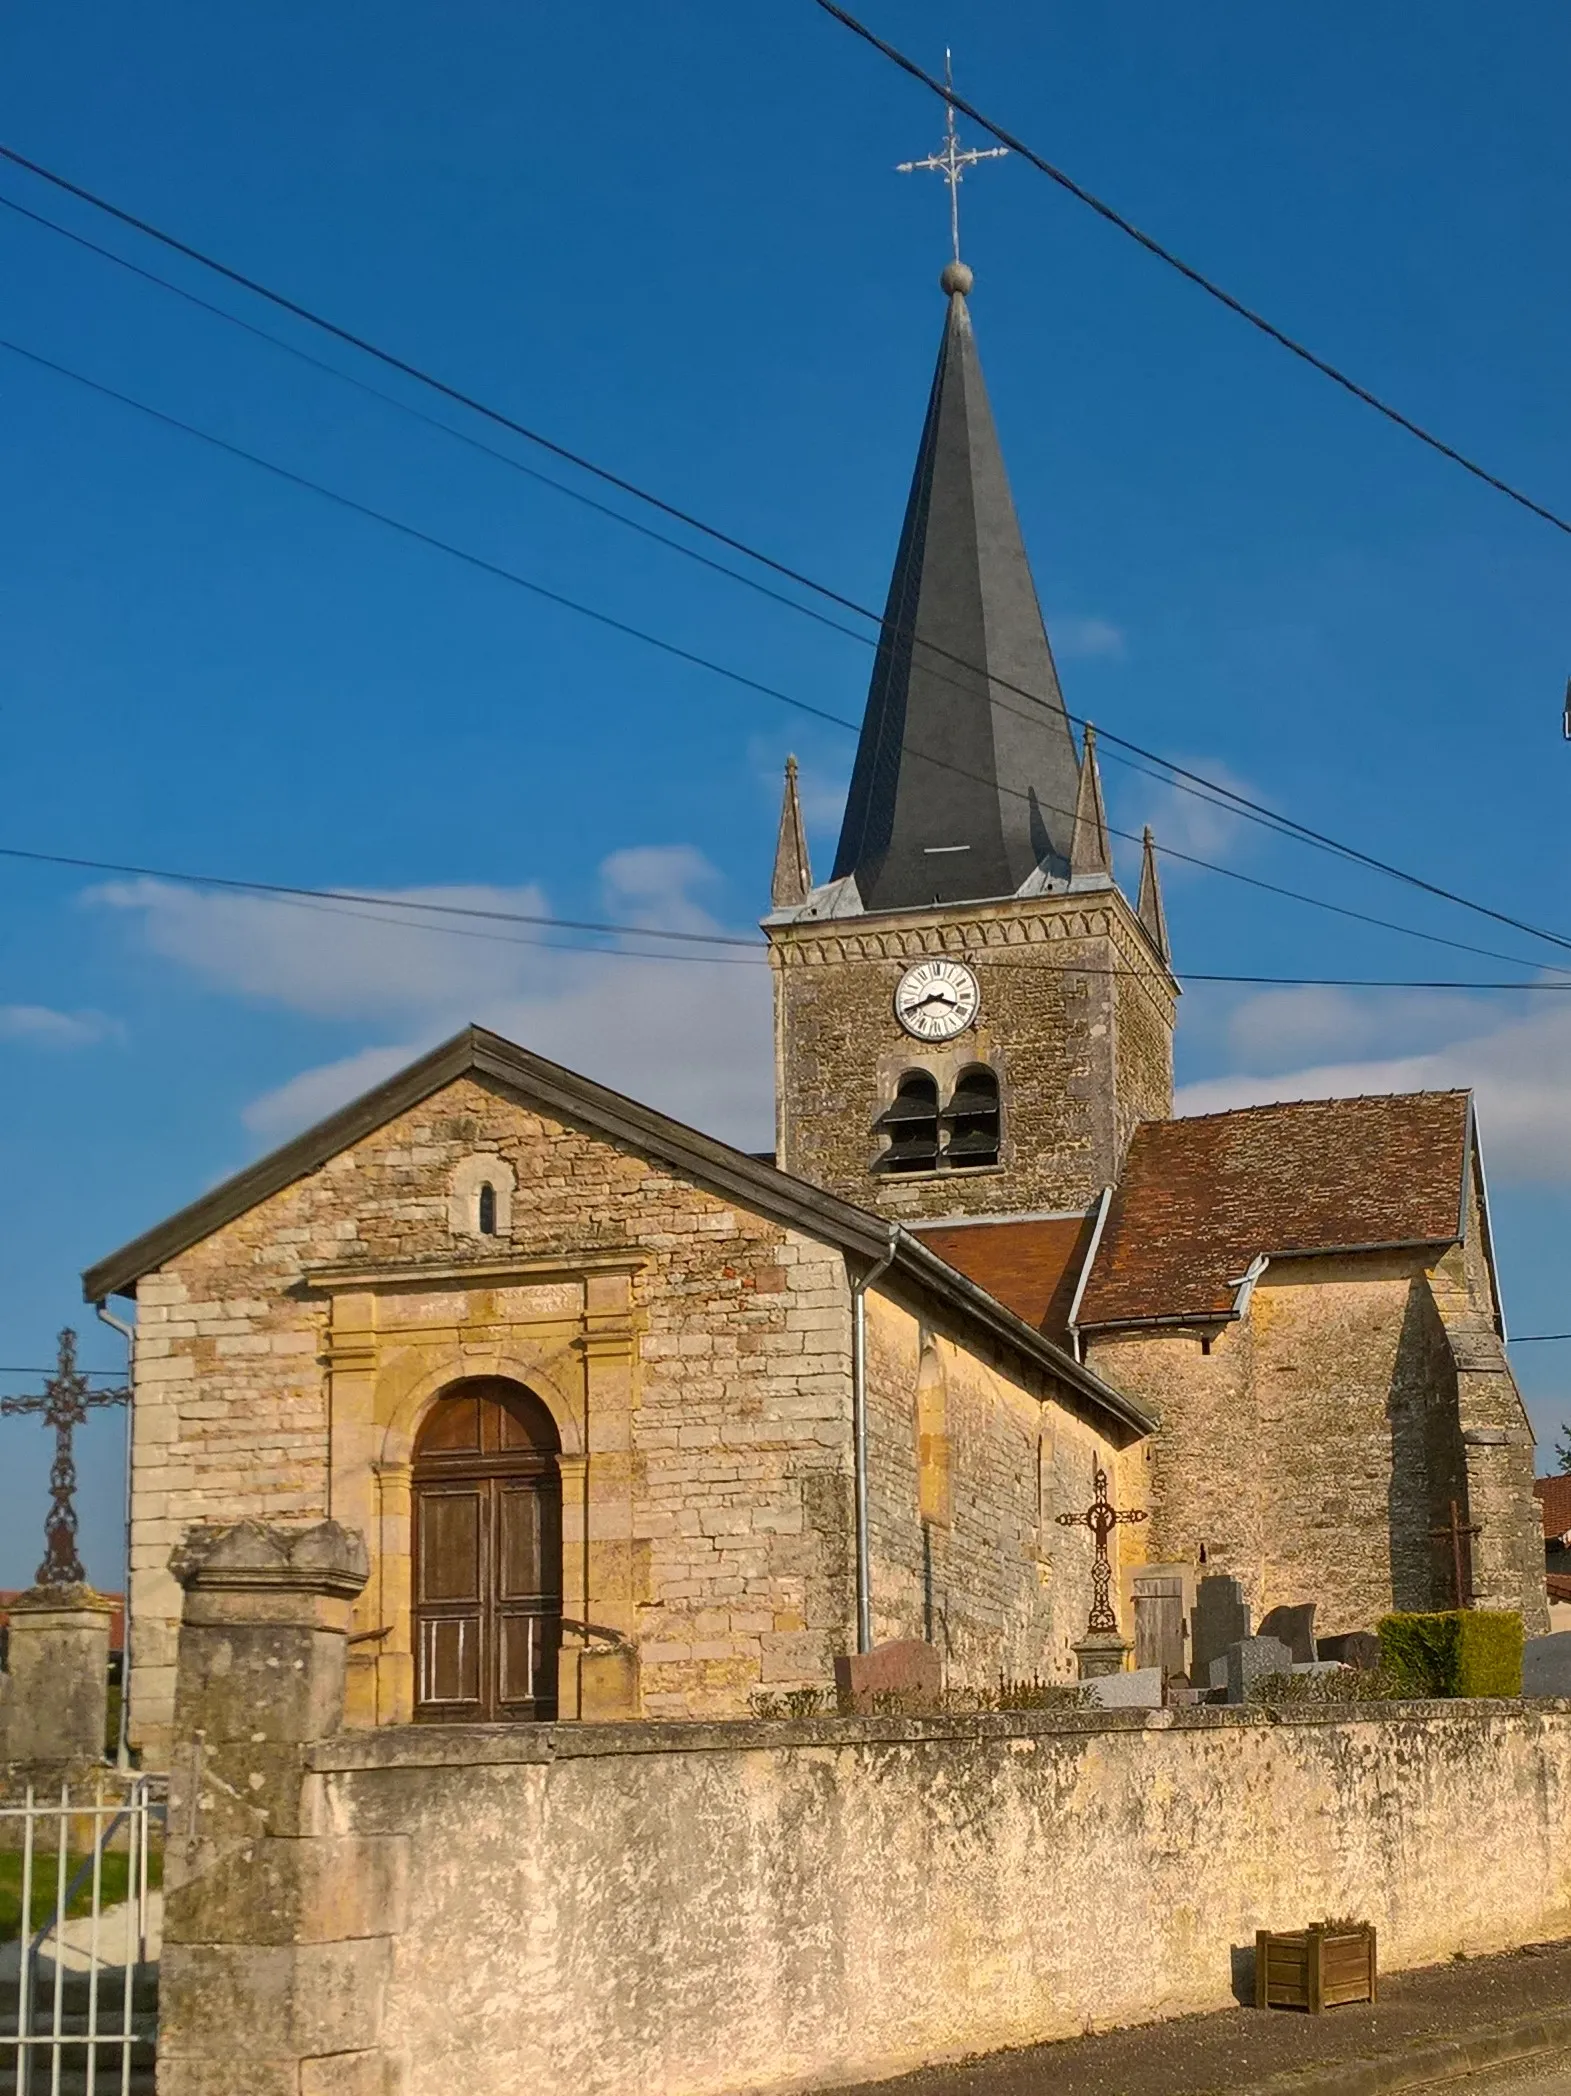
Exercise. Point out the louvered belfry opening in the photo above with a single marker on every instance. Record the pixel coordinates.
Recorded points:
(487, 1555)
(911, 1124)
(972, 1119)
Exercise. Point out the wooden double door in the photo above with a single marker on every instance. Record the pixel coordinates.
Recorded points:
(487, 1556)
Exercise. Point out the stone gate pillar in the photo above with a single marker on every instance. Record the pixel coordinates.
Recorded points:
(277, 1933)
(56, 1707)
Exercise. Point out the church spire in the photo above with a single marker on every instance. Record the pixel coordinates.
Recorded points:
(965, 774)
(1089, 851)
(1149, 908)
(793, 875)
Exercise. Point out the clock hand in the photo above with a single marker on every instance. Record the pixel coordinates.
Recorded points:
(937, 997)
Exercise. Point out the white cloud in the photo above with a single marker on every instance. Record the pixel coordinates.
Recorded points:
(1181, 813)
(1520, 1070)
(689, 1033)
(1087, 639)
(47, 1028)
(1283, 1027)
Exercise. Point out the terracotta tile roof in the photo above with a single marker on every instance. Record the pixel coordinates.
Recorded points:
(1554, 1504)
(1559, 1585)
(1031, 1268)
(1200, 1198)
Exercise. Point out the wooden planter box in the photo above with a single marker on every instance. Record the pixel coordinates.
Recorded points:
(1315, 1968)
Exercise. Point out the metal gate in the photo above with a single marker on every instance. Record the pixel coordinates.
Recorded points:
(79, 1893)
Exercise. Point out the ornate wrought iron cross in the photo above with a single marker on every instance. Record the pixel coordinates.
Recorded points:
(65, 1402)
(1101, 1517)
(951, 163)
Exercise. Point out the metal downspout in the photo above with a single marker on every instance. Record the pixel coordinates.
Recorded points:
(123, 1744)
(864, 1561)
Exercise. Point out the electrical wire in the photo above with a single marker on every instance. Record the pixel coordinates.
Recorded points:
(686, 655)
(1197, 277)
(1178, 775)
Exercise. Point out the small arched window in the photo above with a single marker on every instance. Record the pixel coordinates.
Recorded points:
(972, 1119)
(911, 1124)
(485, 1217)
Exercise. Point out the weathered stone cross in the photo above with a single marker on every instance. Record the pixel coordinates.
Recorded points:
(65, 1402)
(1101, 1518)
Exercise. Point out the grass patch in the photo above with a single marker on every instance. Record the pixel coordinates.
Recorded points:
(113, 1887)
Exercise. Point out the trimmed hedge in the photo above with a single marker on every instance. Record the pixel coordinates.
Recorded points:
(1459, 1652)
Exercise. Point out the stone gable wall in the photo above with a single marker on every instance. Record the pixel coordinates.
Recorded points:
(704, 1388)
(1080, 1057)
(1317, 1444)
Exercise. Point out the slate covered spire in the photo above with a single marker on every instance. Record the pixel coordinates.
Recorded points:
(1090, 853)
(963, 788)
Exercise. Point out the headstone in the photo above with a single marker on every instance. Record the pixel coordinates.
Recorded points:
(1159, 1620)
(908, 1673)
(1295, 1626)
(1139, 1690)
(1355, 1648)
(1546, 1665)
(1220, 1618)
(1251, 1660)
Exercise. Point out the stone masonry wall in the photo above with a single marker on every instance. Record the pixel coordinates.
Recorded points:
(1077, 1063)
(695, 1355)
(1317, 1444)
(988, 1576)
(601, 1911)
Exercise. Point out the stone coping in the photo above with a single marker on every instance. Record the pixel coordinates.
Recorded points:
(479, 1746)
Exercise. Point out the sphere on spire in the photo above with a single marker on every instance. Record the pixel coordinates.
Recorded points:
(956, 277)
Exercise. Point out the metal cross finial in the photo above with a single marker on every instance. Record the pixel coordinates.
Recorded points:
(1101, 1517)
(65, 1402)
(951, 163)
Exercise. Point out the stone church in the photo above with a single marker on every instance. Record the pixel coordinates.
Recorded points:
(634, 1423)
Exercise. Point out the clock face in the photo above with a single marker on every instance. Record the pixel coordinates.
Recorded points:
(937, 999)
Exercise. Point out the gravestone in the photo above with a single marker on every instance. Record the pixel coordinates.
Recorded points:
(1546, 1665)
(1220, 1618)
(56, 1700)
(1159, 1620)
(1251, 1660)
(1355, 1648)
(1295, 1626)
(908, 1670)
(1138, 1690)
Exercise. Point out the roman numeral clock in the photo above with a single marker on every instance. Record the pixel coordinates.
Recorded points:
(936, 1000)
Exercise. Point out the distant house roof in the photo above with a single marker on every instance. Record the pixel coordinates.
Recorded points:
(1554, 1505)
(1558, 1585)
(1202, 1198)
(1032, 1267)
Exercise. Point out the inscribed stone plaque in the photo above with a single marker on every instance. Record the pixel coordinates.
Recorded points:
(1254, 1659)
(1546, 1665)
(1295, 1626)
(1139, 1690)
(1220, 1619)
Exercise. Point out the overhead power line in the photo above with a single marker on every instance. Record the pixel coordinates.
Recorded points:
(436, 917)
(1187, 270)
(1176, 774)
(511, 575)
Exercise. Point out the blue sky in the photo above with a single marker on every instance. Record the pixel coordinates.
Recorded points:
(673, 239)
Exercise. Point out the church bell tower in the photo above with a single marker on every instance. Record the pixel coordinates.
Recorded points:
(970, 1017)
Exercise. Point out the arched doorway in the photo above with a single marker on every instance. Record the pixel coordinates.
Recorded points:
(487, 1555)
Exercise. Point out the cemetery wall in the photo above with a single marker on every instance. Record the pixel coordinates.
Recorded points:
(601, 1911)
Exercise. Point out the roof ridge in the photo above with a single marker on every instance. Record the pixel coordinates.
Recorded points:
(1259, 1106)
